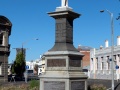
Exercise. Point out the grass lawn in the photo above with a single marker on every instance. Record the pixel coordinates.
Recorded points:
(31, 85)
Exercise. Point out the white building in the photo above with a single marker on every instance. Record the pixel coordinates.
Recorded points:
(100, 61)
(40, 62)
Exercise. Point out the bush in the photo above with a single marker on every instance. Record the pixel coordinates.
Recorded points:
(34, 84)
(97, 87)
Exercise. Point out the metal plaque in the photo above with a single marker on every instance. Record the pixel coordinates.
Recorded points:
(74, 63)
(54, 85)
(78, 85)
(56, 62)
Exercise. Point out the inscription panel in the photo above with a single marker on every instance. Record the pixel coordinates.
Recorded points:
(56, 62)
(74, 63)
(78, 85)
(54, 85)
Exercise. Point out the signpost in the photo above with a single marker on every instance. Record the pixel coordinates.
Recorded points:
(27, 67)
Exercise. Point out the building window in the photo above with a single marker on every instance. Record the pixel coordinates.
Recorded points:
(97, 63)
(0, 68)
(102, 63)
(108, 61)
(114, 58)
(92, 66)
(92, 60)
(1, 38)
(115, 63)
(119, 57)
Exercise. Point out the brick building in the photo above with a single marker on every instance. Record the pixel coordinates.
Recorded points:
(86, 59)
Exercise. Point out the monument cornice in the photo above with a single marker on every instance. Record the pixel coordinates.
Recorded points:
(64, 14)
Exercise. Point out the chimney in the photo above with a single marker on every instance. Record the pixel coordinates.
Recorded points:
(106, 43)
(101, 46)
(79, 49)
(118, 40)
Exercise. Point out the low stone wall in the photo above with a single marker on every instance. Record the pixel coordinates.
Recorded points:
(106, 83)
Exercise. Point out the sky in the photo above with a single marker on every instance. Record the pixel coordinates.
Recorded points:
(30, 20)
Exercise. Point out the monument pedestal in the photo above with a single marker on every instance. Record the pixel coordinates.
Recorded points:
(62, 84)
(63, 69)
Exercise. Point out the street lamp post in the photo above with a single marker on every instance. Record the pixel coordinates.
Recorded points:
(26, 42)
(23, 54)
(112, 47)
(118, 17)
(21, 49)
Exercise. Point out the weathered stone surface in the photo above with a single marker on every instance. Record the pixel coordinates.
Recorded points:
(56, 62)
(63, 60)
(54, 85)
(64, 30)
(75, 63)
(77, 85)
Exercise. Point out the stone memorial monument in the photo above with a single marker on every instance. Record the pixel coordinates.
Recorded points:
(63, 70)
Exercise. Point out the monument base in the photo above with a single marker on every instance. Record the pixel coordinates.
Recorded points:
(63, 71)
(63, 81)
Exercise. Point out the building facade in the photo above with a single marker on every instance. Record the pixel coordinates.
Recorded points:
(5, 31)
(41, 65)
(100, 61)
(86, 58)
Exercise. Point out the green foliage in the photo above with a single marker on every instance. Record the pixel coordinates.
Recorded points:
(34, 84)
(97, 87)
(19, 64)
(12, 69)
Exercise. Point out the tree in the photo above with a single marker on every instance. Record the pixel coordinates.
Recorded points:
(19, 65)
